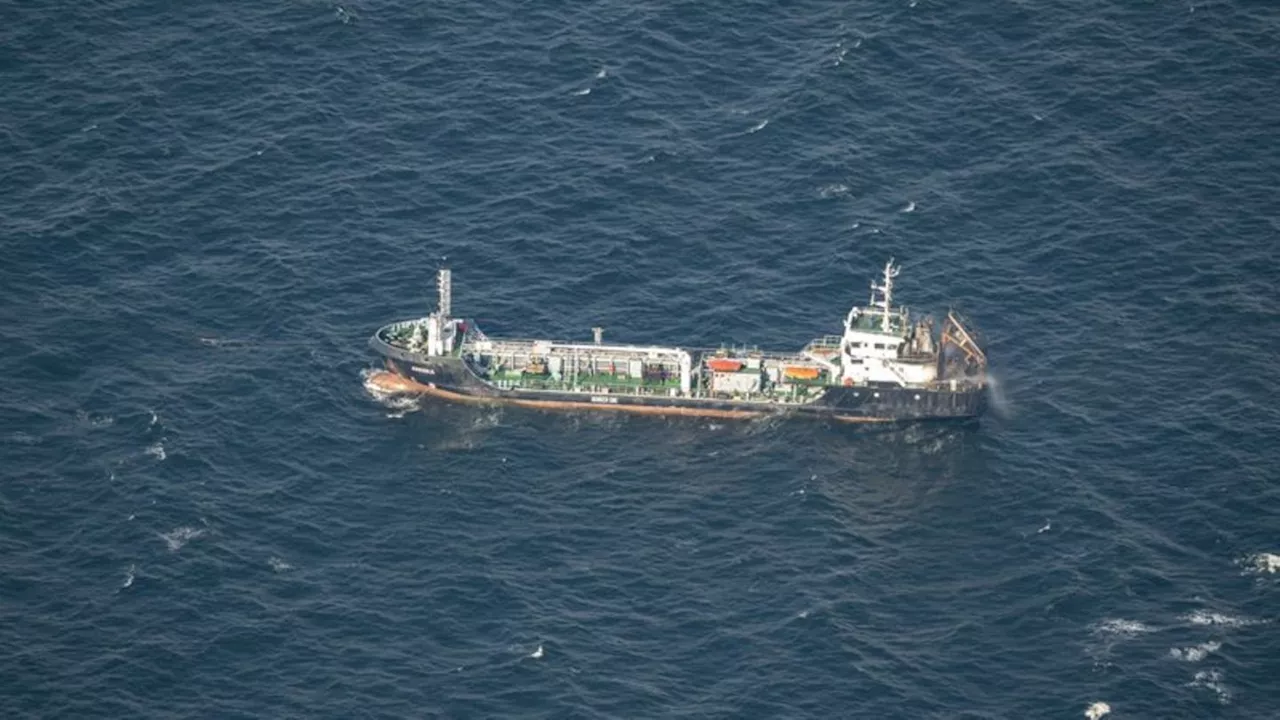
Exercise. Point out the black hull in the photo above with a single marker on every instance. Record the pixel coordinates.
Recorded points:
(451, 377)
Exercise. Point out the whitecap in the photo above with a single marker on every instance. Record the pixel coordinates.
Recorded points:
(910, 206)
(154, 418)
(1195, 653)
(1261, 563)
(583, 91)
(1097, 710)
(602, 73)
(278, 565)
(226, 343)
(129, 575)
(1212, 680)
(827, 191)
(95, 420)
(1120, 627)
(1203, 617)
(759, 126)
(180, 536)
(537, 654)
(157, 451)
(1047, 525)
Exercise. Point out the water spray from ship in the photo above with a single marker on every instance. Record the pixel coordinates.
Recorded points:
(997, 400)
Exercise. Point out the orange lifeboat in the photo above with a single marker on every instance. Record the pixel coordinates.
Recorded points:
(724, 364)
(800, 372)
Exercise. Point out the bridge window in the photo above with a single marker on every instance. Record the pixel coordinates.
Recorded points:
(879, 346)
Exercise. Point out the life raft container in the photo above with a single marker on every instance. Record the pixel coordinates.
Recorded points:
(801, 372)
(724, 364)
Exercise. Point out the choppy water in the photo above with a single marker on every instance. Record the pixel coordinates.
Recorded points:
(209, 206)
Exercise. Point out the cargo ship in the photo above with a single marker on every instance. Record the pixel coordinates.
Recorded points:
(885, 366)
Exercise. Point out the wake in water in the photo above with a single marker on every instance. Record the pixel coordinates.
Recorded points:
(398, 404)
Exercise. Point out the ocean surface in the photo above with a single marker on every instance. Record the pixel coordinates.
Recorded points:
(209, 207)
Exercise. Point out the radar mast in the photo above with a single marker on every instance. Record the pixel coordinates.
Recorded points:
(886, 290)
(444, 284)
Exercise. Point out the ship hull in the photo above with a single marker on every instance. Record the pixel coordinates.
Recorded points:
(450, 378)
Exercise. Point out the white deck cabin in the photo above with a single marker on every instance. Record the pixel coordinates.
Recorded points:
(881, 344)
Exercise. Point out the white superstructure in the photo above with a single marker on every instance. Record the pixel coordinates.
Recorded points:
(441, 329)
(881, 344)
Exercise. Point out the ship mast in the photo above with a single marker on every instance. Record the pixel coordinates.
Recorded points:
(890, 272)
(444, 285)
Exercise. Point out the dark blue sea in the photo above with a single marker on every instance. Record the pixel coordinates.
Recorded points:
(207, 208)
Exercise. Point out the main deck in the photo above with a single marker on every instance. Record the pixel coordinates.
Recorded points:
(741, 374)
